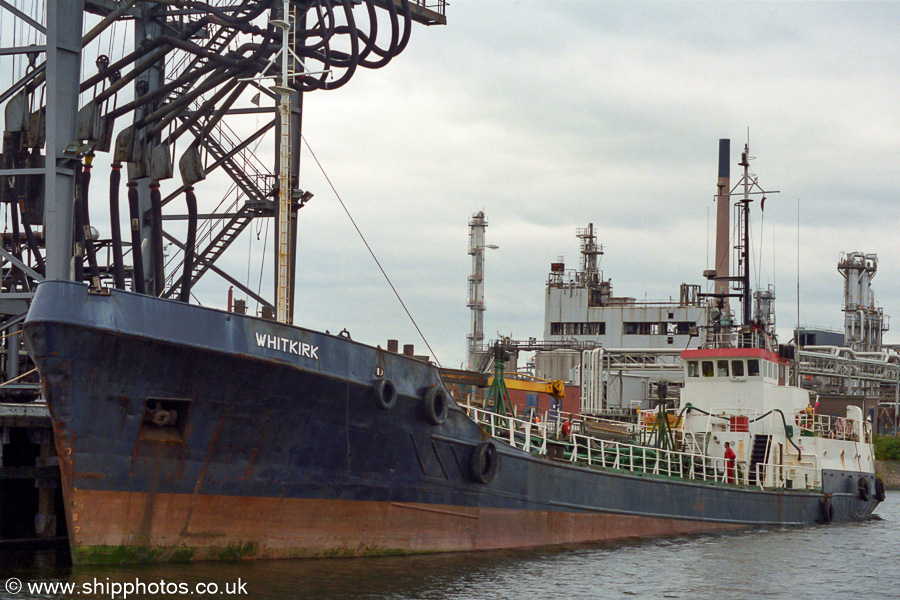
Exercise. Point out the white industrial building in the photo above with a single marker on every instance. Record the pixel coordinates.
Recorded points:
(621, 345)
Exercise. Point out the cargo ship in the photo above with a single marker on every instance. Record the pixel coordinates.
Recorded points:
(189, 433)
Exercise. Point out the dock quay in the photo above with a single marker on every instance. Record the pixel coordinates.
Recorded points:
(31, 506)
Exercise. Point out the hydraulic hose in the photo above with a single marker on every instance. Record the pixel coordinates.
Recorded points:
(149, 51)
(252, 11)
(191, 201)
(322, 51)
(161, 91)
(784, 422)
(115, 178)
(324, 27)
(137, 254)
(762, 416)
(78, 208)
(87, 236)
(159, 276)
(212, 105)
(393, 49)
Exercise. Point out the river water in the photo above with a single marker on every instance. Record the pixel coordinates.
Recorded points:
(857, 560)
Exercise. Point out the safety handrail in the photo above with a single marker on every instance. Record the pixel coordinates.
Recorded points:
(596, 452)
(838, 428)
(781, 476)
(518, 433)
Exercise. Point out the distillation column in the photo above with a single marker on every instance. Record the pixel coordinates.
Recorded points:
(864, 322)
(477, 226)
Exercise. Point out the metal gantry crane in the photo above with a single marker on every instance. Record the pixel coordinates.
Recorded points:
(133, 89)
(137, 87)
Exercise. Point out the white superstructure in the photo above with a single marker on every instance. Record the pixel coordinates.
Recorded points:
(737, 392)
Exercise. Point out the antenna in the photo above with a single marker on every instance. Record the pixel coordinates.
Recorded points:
(798, 272)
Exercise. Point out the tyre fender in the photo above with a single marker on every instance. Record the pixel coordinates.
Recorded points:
(485, 462)
(862, 488)
(826, 511)
(385, 393)
(436, 404)
(879, 490)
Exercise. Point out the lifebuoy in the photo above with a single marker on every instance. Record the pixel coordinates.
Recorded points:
(862, 488)
(484, 463)
(826, 511)
(879, 490)
(385, 393)
(437, 405)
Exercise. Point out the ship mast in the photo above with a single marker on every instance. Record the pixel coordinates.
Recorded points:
(750, 184)
(744, 211)
(727, 285)
(282, 274)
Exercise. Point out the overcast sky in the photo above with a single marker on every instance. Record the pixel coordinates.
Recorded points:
(552, 115)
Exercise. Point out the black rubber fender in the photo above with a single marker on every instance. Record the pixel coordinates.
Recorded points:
(826, 511)
(862, 488)
(485, 462)
(385, 393)
(436, 404)
(879, 490)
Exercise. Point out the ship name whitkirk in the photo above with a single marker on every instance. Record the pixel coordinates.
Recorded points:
(264, 340)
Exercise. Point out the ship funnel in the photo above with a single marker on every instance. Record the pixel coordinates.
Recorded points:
(723, 207)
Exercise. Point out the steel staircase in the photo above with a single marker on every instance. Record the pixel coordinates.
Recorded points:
(759, 455)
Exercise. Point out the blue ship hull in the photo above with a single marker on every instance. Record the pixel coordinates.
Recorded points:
(190, 433)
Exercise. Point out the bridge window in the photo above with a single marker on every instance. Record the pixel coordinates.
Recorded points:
(684, 327)
(737, 368)
(753, 368)
(707, 368)
(722, 368)
(636, 328)
(693, 368)
(664, 328)
(589, 328)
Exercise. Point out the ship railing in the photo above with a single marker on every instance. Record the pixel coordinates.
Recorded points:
(734, 419)
(595, 452)
(598, 452)
(816, 425)
(554, 419)
(781, 476)
(736, 337)
(695, 442)
(518, 433)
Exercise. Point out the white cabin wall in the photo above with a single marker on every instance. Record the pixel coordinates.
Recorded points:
(568, 304)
